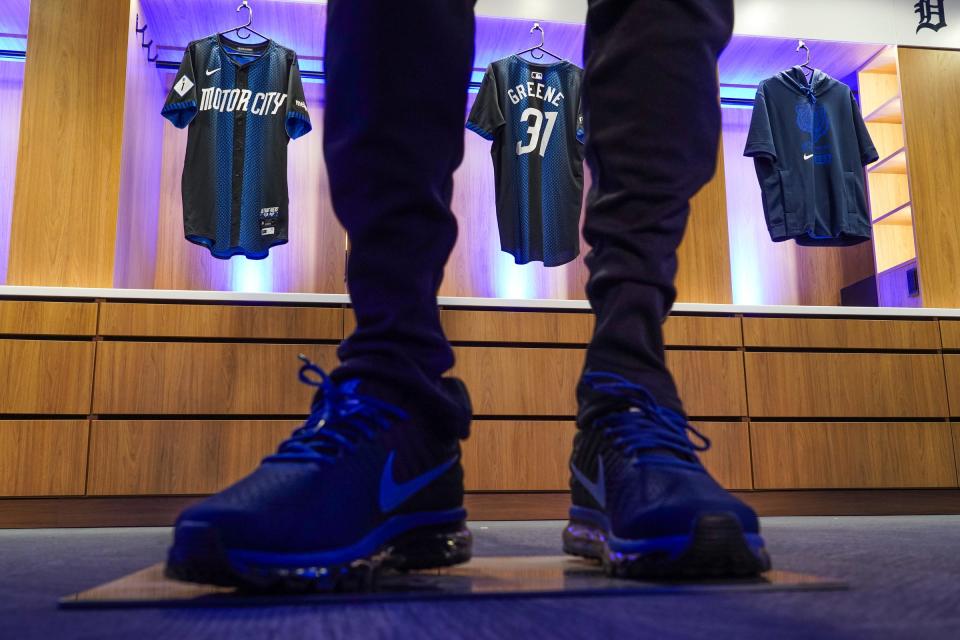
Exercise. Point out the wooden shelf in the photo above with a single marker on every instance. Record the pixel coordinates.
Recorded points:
(883, 62)
(898, 214)
(893, 241)
(896, 162)
(890, 111)
(912, 261)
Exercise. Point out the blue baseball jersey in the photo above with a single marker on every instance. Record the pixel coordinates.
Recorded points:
(243, 104)
(531, 112)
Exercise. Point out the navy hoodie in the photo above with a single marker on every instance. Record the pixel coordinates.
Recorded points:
(809, 146)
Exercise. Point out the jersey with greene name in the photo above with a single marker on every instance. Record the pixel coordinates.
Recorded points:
(243, 104)
(531, 112)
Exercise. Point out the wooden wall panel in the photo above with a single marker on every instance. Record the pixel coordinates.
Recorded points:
(710, 382)
(702, 331)
(571, 328)
(11, 92)
(762, 271)
(221, 321)
(204, 378)
(45, 376)
(956, 448)
(68, 170)
(43, 457)
(828, 333)
(518, 456)
(930, 84)
(951, 364)
(534, 455)
(141, 156)
(810, 455)
(48, 318)
(153, 457)
(541, 382)
(824, 271)
(950, 334)
(841, 385)
(704, 255)
(728, 459)
(518, 381)
(517, 326)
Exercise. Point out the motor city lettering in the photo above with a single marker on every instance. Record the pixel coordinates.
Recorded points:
(229, 100)
(535, 90)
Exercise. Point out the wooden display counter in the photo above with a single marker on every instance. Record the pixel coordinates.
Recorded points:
(120, 406)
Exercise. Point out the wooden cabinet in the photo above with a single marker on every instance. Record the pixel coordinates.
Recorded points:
(840, 385)
(156, 457)
(815, 455)
(177, 378)
(39, 318)
(829, 333)
(45, 376)
(43, 457)
(220, 321)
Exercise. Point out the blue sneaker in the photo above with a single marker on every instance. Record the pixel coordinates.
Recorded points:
(642, 502)
(359, 486)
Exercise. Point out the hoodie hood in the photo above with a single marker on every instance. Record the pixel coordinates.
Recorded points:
(794, 78)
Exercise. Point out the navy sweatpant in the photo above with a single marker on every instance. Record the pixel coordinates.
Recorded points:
(397, 75)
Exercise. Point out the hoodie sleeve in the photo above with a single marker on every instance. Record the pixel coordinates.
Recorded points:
(868, 153)
(760, 137)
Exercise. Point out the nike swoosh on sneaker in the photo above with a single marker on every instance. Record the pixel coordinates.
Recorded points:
(596, 489)
(393, 494)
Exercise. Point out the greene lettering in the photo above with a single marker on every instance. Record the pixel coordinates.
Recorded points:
(535, 90)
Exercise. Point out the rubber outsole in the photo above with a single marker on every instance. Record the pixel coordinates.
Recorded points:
(715, 548)
(198, 555)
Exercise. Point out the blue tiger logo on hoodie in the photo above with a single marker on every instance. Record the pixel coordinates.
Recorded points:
(812, 119)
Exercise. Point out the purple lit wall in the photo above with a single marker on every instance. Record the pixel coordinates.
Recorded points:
(314, 260)
(14, 18)
(11, 92)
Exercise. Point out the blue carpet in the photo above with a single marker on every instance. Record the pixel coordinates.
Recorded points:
(904, 573)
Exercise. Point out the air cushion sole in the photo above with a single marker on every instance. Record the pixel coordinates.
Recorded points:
(716, 547)
(199, 555)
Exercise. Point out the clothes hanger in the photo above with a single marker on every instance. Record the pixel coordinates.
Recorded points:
(245, 27)
(806, 63)
(539, 47)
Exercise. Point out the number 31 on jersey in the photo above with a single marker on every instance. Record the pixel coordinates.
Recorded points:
(536, 130)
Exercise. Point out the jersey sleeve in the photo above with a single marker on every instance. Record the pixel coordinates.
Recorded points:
(485, 115)
(181, 105)
(760, 136)
(298, 118)
(868, 152)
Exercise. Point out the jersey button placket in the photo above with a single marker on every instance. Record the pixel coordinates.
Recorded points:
(239, 138)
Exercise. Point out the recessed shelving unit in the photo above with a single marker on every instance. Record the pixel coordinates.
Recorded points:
(896, 162)
(894, 245)
(889, 112)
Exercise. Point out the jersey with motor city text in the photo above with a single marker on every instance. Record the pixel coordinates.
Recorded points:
(243, 104)
(531, 112)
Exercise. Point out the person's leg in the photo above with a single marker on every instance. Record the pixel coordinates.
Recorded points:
(373, 476)
(653, 122)
(642, 502)
(397, 75)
